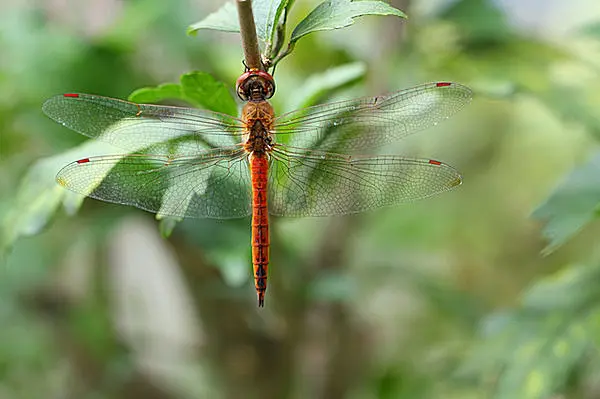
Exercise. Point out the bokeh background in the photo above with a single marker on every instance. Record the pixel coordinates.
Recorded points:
(465, 295)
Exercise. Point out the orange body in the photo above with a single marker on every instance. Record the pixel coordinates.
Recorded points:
(259, 167)
(258, 120)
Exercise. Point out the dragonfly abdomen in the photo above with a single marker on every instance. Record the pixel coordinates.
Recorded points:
(259, 168)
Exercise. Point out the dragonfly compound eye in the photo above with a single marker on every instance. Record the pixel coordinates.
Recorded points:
(255, 85)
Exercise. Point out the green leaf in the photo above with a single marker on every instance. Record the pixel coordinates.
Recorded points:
(167, 224)
(157, 94)
(336, 14)
(199, 89)
(267, 14)
(205, 91)
(39, 196)
(224, 19)
(572, 205)
(321, 84)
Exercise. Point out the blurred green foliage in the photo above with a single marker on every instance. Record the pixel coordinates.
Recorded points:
(488, 291)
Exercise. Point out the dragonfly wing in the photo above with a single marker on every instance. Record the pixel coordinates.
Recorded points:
(152, 128)
(215, 184)
(318, 183)
(371, 121)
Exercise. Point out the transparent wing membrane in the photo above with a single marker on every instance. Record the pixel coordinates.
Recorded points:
(213, 185)
(193, 166)
(371, 121)
(152, 128)
(316, 183)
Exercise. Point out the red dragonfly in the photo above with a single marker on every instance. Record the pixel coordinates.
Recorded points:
(185, 162)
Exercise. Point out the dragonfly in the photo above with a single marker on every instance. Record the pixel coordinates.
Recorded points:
(184, 162)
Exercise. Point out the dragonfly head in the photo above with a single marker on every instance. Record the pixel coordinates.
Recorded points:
(255, 85)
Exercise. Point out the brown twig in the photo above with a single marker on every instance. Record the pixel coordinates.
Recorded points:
(248, 32)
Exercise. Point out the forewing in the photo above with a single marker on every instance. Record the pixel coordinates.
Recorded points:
(215, 184)
(152, 128)
(371, 121)
(318, 183)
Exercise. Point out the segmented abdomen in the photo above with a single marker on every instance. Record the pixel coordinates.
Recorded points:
(259, 167)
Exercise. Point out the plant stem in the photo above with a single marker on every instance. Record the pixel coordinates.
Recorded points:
(248, 32)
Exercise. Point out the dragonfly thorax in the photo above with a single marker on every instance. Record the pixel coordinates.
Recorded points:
(258, 123)
(259, 140)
